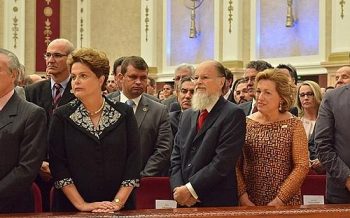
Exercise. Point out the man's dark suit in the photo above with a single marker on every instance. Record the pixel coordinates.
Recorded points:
(22, 147)
(175, 117)
(332, 139)
(207, 159)
(40, 93)
(155, 136)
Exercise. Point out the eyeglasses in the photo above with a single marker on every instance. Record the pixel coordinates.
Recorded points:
(308, 94)
(185, 91)
(55, 56)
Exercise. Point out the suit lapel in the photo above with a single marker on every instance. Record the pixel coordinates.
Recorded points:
(9, 111)
(67, 95)
(47, 96)
(141, 110)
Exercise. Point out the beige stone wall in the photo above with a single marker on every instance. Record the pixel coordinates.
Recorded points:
(30, 40)
(115, 27)
(1, 24)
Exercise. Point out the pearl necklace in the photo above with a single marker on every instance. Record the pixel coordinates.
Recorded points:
(99, 110)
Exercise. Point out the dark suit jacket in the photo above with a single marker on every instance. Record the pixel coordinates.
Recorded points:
(155, 135)
(231, 97)
(97, 165)
(207, 158)
(23, 145)
(175, 117)
(332, 138)
(40, 93)
(246, 107)
(167, 102)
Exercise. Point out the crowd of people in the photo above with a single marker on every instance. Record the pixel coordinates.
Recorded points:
(92, 134)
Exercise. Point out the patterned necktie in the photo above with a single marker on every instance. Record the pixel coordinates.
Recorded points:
(202, 116)
(57, 94)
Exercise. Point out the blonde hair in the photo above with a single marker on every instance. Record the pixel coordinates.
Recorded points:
(316, 89)
(285, 89)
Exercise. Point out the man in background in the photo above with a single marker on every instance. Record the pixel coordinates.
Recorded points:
(342, 76)
(152, 117)
(23, 133)
(50, 94)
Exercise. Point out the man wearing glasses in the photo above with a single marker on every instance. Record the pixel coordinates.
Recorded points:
(181, 71)
(252, 69)
(51, 93)
(184, 96)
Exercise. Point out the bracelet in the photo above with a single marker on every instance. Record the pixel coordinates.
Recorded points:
(118, 202)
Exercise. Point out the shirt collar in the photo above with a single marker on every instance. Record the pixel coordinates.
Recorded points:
(4, 99)
(64, 83)
(123, 99)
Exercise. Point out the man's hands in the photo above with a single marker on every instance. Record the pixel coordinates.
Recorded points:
(347, 183)
(183, 196)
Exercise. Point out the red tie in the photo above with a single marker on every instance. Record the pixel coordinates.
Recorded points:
(57, 94)
(202, 116)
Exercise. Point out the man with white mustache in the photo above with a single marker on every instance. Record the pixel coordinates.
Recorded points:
(206, 149)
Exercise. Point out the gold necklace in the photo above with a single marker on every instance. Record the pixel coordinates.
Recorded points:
(99, 110)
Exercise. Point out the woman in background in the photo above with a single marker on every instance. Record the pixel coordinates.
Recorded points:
(275, 160)
(309, 98)
(94, 142)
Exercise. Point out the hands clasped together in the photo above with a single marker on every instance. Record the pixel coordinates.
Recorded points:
(100, 207)
(184, 197)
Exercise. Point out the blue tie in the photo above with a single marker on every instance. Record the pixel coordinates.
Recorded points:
(130, 102)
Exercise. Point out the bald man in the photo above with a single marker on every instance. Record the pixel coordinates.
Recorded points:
(342, 76)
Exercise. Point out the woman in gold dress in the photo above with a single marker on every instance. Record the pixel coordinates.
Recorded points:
(274, 162)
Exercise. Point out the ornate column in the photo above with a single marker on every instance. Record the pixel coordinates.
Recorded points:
(83, 23)
(340, 41)
(148, 34)
(14, 27)
(232, 35)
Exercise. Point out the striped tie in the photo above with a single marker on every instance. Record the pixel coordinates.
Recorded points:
(57, 94)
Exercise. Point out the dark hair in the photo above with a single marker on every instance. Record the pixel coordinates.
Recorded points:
(117, 63)
(259, 65)
(152, 82)
(171, 84)
(237, 82)
(229, 74)
(135, 61)
(292, 71)
(97, 61)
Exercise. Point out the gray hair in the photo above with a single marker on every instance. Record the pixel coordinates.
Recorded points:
(189, 67)
(14, 64)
